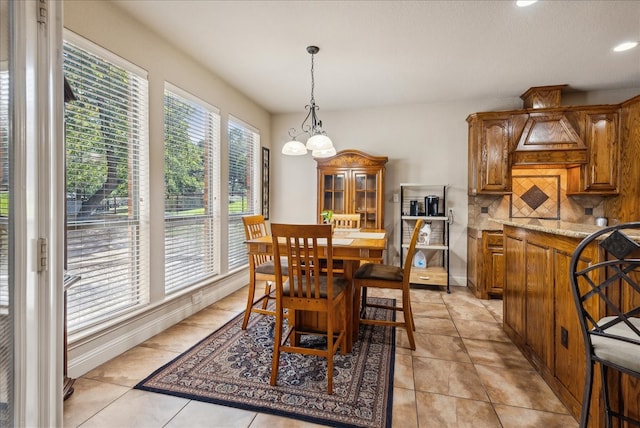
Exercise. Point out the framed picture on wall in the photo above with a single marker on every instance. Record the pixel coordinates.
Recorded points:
(265, 183)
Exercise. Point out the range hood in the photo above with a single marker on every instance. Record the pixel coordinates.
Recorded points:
(547, 138)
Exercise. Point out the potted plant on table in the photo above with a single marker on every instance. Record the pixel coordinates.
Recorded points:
(327, 215)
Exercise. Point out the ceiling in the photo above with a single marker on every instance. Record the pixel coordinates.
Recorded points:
(382, 53)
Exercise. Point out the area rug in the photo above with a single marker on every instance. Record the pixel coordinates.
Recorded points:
(232, 367)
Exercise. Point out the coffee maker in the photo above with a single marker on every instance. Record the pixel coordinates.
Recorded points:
(413, 207)
(431, 205)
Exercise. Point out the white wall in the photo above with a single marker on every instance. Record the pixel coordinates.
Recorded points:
(425, 143)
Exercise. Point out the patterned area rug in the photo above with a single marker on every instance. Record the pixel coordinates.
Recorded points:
(232, 367)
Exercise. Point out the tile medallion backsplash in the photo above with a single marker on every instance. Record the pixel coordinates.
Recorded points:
(536, 196)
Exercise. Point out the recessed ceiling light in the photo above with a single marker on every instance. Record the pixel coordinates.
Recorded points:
(525, 3)
(625, 46)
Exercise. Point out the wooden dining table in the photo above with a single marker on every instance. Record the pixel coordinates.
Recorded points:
(349, 246)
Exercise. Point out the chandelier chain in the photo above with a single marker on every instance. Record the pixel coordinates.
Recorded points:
(313, 83)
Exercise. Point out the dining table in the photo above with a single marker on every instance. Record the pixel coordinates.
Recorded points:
(351, 246)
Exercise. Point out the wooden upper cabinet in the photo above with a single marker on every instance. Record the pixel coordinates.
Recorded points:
(600, 175)
(353, 182)
(491, 138)
(549, 138)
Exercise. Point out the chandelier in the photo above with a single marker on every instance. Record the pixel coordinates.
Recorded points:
(318, 143)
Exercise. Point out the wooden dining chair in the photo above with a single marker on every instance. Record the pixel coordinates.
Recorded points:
(346, 221)
(261, 268)
(307, 290)
(376, 275)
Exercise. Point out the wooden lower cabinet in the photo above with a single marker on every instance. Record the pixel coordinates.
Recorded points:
(485, 263)
(541, 318)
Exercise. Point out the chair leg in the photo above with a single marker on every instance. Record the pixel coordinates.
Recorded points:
(408, 319)
(605, 392)
(267, 291)
(247, 312)
(363, 307)
(586, 394)
(330, 352)
(356, 318)
(277, 342)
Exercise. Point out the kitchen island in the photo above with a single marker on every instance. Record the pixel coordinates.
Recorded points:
(540, 315)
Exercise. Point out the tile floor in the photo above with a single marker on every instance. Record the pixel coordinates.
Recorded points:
(465, 372)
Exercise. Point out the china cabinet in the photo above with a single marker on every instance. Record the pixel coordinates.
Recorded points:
(353, 182)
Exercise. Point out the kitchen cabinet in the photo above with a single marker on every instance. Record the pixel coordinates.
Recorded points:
(600, 175)
(491, 140)
(414, 206)
(474, 260)
(539, 312)
(493, 256)
(485, 263)
(549, 138)
(352, 182)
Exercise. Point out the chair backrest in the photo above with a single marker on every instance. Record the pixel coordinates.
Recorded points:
(303, 253)
(346, 221)
(608, 286)
(256, 227)
(408, 262)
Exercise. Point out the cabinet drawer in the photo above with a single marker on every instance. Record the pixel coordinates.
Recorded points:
(494, 239)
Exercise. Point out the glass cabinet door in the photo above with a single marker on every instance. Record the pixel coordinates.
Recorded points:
(366, 198)
(333, 192)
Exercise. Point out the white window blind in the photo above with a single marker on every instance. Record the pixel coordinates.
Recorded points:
(244, 185)
(4, 190)
(106, 183)
(191, 168)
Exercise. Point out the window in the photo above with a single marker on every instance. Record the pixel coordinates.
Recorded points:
(244, 185)
(191, 171)
(106, 184)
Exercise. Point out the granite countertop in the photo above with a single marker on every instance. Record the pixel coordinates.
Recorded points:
(563, 228)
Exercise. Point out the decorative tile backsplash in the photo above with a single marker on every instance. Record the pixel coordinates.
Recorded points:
(536, 193)
(536, 196)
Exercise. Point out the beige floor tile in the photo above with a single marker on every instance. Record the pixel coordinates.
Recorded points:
(472, 312)
(197, 414)
(211, 319)
(481, 330)
(495, 307)
(426, 296)
(436, 410)
(264, 420)
(448, 378)
(236, 301)
(132, 366)
(177, 338)
(520, 388)
(88, 398)
(442, 326)
(431, 310)
(403, 372)
(404, 412)
(498, 354)
(138, 409)
(442, 347)
(527, 418)
(461, 296)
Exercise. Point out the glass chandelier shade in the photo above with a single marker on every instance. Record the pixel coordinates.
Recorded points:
(294, 148)
(318, 143)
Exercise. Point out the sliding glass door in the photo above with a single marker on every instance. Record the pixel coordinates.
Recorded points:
(31, 222)
(6, 284)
